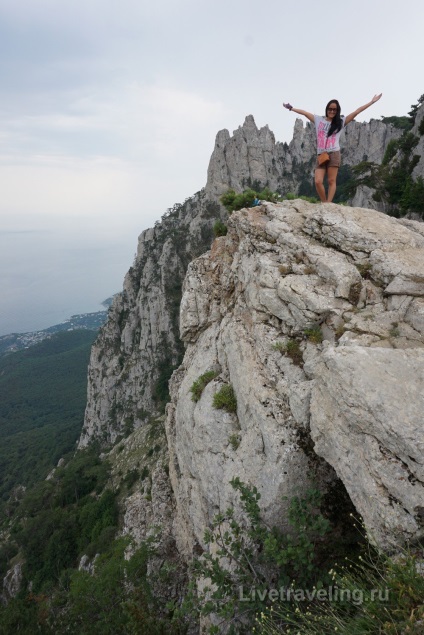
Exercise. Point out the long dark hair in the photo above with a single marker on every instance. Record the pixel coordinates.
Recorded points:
(336, 124)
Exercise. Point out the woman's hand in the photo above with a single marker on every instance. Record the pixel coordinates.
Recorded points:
(352, 115)
(288, 106)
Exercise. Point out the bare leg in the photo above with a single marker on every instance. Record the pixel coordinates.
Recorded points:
(319, 183)
(332, 182)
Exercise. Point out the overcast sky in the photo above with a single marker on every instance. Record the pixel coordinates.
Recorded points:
(109, 110)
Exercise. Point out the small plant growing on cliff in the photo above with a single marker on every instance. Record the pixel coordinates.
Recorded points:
(284, 269)
(355, 293)
(257, 557)
(234, 441)
(292, 350)
(340, 331)
(314, 335)
(144, 474)
(365, 270)
(225, 399)
(395, 332)
(220, 229)
(233, 201)
(200, 384)
(309, 270)
(131, 477)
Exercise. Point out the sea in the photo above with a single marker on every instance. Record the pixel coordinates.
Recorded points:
(49, 274)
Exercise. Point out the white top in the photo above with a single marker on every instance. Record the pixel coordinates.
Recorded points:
(324, 143)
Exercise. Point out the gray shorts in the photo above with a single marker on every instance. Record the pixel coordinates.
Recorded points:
(334, 162)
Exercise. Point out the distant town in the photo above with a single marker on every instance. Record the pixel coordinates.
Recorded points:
(90, 321)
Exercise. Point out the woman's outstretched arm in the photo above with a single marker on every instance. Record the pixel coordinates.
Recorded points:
(308, 115)
(358, 110)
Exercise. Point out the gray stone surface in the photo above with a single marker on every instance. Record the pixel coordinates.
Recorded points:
(141, 332)
(11, 583)
(367, 410)
(281, 270)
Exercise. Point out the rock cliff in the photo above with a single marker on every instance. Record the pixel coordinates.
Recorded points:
(133, 358)
(419, 150)
(351, 276)
(139, 346)
(345, 288)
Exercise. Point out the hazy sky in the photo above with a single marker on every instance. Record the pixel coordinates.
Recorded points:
(109, 110)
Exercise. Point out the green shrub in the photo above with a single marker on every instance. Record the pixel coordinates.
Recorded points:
(310, 199)
(117, 597)
(292, 350)
(225, 399)
(408, 142)
(256, 557)
(131, 477)
(284, 269)
(365, 270)
(165, 367)
(382, 596)
(314, 334)
(402, 123)
(200, 384)
(144, 473)
(391, 149)
(220, 229)
(233, 201)
(340, 331)
(394, 331)
(413, 196)
(234, 441)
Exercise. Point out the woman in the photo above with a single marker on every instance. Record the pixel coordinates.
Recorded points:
(328, 130)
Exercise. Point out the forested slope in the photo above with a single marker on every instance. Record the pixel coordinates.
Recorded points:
(42, 401)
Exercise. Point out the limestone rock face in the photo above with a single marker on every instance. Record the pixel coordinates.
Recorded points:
(11, 583)
(139, 345)
(140, 463)
(253, 157)
(363, 197)
(419, 150)
(341, 287)
(375, 441)
(149, 504)
(87, 565)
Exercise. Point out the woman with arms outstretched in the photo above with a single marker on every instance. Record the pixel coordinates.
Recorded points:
(328, 130)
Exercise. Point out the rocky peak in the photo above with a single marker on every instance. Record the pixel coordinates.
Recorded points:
(240, 160)
(252, 157)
